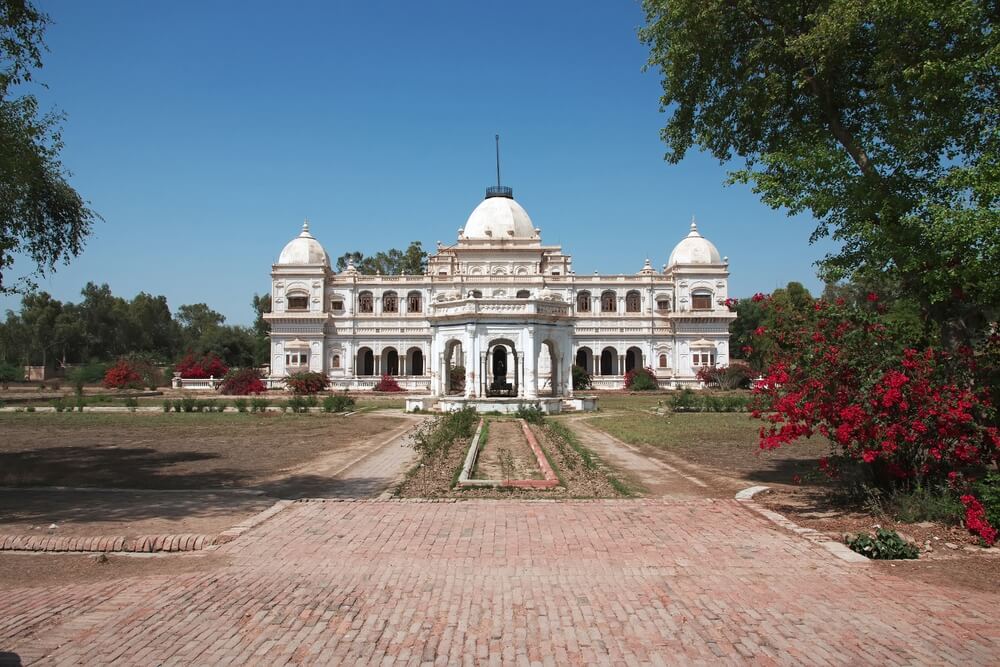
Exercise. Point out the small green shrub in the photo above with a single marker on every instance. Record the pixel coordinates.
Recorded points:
(337, 403)
(259, 404)
(9, 373)
(131, 403)
(581, 378)
(684, 400)
(920, 503)
(59, 404)
(531, 414)
(167, 405)
(988, 492)
(641, 379)
(189, 404)
(885, 545)
(30, 408)
(437, 436)
(80, 402)
(241, 404)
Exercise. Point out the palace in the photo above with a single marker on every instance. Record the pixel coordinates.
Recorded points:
(499, 316)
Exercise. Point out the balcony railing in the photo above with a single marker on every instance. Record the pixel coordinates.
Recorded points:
(499, 191)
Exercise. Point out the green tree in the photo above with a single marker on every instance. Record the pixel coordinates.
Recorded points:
(152, 329)
(753, 319)
(40, 312)
(41, 215)
(878, 117)
(412, 261)
(261, 329)
(104, 318)
(197, 321)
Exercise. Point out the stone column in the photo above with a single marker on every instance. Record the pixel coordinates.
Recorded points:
(530, 362)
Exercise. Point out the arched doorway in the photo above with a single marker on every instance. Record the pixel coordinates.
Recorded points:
(415, 361)
(453, 376)
(390, 364)
(633, 359)
(549, 359)
(609, 359)
(366, 361)
(584, 359)
(500, 374)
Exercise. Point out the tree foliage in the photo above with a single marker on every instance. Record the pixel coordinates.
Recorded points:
(392, 262)
(105, 327)
(41, 215)
(878, 117)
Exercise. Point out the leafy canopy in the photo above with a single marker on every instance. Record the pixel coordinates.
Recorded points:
(878, 117)
(392, 262)
(41, 215)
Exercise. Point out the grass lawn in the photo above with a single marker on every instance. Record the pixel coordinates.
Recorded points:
(726, 442)
(176, 450)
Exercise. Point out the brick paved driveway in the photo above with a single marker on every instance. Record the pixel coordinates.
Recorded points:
(625, 582)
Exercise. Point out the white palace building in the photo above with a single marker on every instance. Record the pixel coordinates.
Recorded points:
(498, 319)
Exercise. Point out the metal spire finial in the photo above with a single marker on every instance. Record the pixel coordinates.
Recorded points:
(498, 159)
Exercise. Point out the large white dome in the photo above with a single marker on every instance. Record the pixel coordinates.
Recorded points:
(499, 218)
(694, 249)
(303, 249)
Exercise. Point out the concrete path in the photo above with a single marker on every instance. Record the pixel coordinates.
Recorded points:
(503, 582)
(657, 477)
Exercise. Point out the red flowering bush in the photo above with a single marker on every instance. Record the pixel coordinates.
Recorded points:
(207, 366)
(123, 375)
(842, 372)
(387, 383)
(242, 382)
(641, 379)
(976, 522)
(306, 382)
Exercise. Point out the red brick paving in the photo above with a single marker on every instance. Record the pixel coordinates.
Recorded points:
(534, 583)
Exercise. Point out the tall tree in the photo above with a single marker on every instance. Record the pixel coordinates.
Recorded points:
(197, 320)
(41, 215)
(878, 117)
(261, 329)
(392, 262)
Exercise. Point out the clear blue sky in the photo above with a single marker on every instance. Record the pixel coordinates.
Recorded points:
(205, 132)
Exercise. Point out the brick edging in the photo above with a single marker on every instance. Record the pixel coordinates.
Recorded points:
(144, 544)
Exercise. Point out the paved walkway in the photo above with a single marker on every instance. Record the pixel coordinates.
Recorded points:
(576, 582)
(655, 475)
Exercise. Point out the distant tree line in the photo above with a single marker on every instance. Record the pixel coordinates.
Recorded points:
(392, 262)
(103, 327)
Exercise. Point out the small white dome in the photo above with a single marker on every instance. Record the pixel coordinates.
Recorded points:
(694, 249)
(304, 249)
(499, 218)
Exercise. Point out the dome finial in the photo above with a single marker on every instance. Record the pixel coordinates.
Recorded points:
(694, 224)
(305, 225)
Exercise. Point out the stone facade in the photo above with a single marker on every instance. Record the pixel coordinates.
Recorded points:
(507, 309)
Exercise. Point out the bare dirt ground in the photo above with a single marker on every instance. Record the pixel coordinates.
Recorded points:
(171, 451)
(506, 436)
(142, 474)
(40, 570)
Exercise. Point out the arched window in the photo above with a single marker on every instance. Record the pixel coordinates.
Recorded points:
(663, 361)
(366, 304)
(366, 361)
(523, 294)
(476, 294)
(414, 304)
(390, 303)
(583, 302)
(662, 304)
(701, 300)
(335, 362)
(608, 300)
(298, 301)
(632, 302)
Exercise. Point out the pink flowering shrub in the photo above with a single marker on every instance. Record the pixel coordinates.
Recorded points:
(976, 521)
(910, 414)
